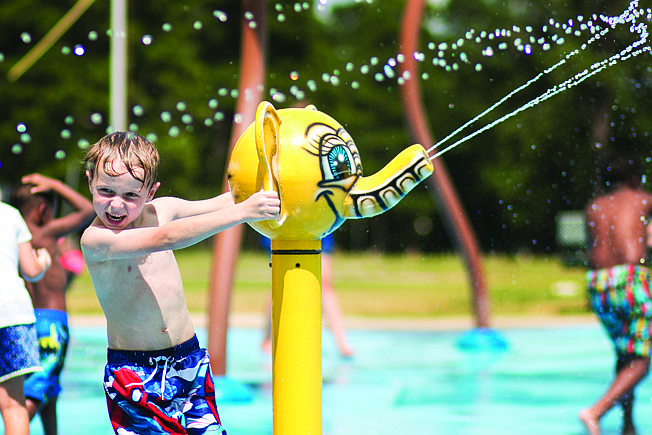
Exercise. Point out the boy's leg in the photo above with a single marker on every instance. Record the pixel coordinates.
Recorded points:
(624, 383)
(627, 402)
(13, 408)
(49, 417)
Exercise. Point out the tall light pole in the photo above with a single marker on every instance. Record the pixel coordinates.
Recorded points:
(118, 117)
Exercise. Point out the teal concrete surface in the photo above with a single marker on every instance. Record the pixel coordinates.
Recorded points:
(407, 382)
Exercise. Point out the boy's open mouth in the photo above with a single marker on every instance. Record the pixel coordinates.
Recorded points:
(115, 219)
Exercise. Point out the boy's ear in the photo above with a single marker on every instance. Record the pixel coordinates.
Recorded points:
(153, 190)
(89, 178)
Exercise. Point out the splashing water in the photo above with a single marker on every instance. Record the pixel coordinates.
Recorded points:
(631, 16)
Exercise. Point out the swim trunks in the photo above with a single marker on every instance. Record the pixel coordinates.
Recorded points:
(19, 354)
(166, 391)
(52, 334)
(620, 297)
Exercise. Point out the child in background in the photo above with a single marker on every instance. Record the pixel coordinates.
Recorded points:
(157, 378)
(618, 284)
(36, 199)
(18, 346)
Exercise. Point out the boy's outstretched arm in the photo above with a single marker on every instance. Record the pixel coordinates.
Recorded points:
(178, 208)
(99, 243)
(82, 207)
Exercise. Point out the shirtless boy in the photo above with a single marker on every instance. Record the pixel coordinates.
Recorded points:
(619, 284)
(157, 379)
(36, 200)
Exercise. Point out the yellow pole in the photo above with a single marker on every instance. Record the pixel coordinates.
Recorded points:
(296, 332)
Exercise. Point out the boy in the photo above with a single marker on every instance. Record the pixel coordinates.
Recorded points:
(18, 346)
(157, 379)
(619, 284)
(36, 201)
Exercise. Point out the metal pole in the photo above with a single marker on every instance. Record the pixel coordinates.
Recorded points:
(227, 243)
(443, 190)
(118, 65)
(296, 332)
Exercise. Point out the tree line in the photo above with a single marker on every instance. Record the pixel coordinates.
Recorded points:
(512, 179)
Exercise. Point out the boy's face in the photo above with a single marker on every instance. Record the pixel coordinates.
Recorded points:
(118, 200)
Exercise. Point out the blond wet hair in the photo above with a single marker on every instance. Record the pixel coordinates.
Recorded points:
(128, 148)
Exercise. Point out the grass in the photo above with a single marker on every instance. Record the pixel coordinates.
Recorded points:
(389, 286)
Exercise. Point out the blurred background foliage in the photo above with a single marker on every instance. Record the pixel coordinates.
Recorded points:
(512, 179)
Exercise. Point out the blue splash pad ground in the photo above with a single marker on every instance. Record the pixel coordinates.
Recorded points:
(411, 382)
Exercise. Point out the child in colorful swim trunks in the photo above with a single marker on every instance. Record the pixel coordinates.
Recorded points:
(619, 284)
(37, 199)
(157, 378)
(18, 346)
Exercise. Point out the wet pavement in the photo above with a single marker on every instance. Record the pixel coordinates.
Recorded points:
(408, 382)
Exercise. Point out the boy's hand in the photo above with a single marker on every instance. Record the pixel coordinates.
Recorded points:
(262, 205)
(43, 257)
(42, 183)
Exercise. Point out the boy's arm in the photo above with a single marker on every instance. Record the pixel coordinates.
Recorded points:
(100, 243)
(178, 208)
(33, 264)
(82, 207)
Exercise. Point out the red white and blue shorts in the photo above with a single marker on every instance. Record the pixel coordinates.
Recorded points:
(166, 391)
(620, 297)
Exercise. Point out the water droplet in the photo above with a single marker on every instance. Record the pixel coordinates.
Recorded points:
(68, 120)
(92, 35)
(82, 144)
(166, 116)
(79, 50)
(60, 155)
(65, 134)
(186, 118)
(208, 122)
(213, 103)
(220, 15)
(167, 27)
(21, 128)
(16, 148)
(138, 110)
(237, 118)
(2, 57)
(181, 106)
(280, 18)
(147, 39)
(488, 52)
(26, 37)
(65, 50)
(152, 137)
(294, 75)
(173, 131)
(133, 127)
(96, 118)
(197, 25)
